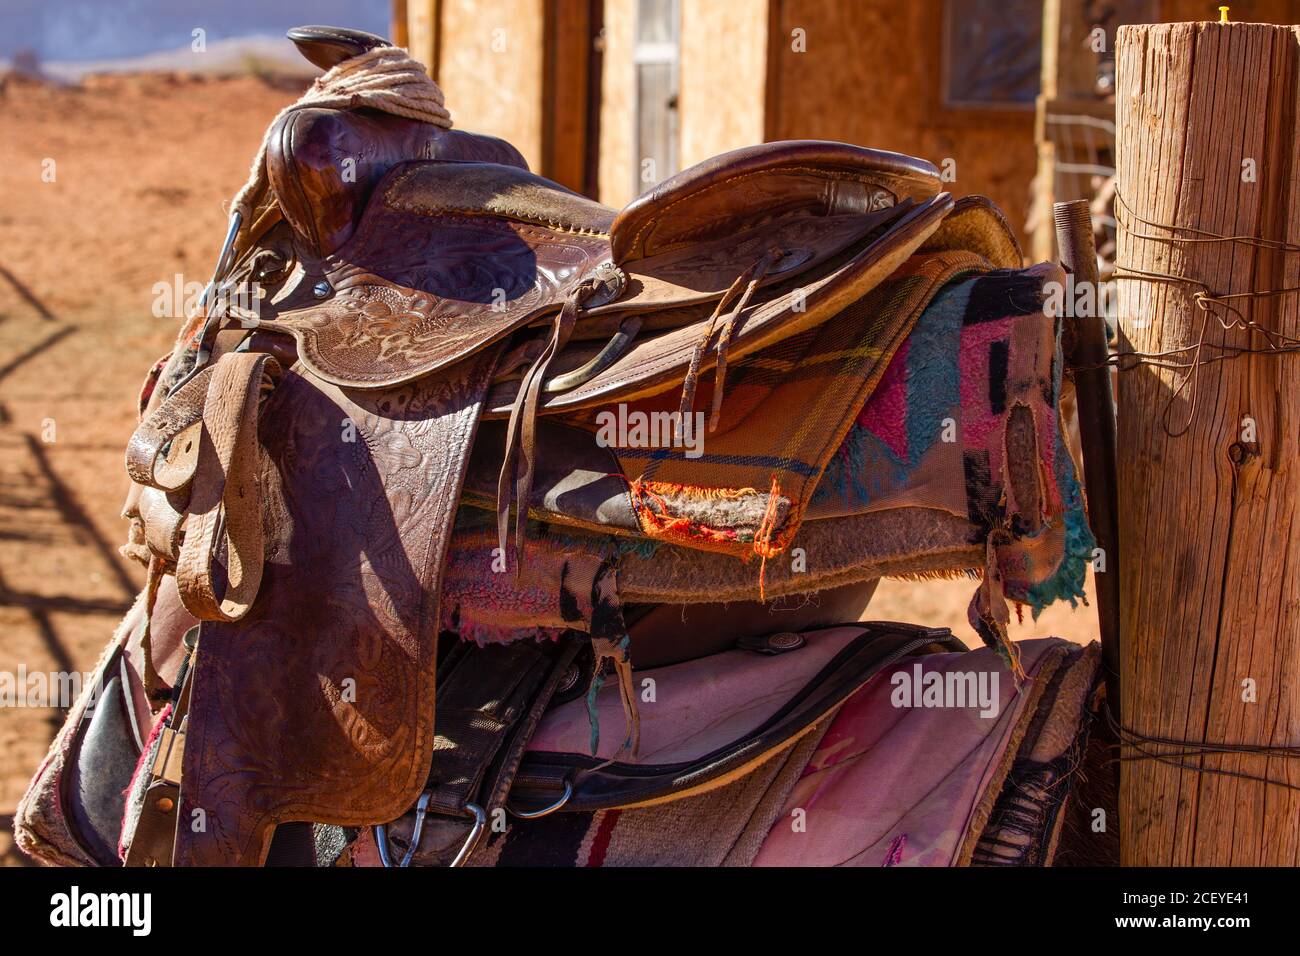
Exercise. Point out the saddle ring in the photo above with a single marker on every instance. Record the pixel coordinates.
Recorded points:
(471, 841)
(545, 811)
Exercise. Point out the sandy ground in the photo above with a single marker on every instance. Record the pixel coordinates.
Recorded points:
(141, 167)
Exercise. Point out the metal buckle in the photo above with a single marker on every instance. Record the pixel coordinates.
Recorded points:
(381, 833)
(545, 811)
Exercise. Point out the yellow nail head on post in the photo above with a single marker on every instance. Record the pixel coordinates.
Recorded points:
(1223, 14)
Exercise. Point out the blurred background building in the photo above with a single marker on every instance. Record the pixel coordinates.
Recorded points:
(1010, 98)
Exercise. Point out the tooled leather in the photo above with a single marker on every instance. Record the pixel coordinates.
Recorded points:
(357, 536)
(430, 276)
(417, 293)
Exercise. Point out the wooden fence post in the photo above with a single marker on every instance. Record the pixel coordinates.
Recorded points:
(1209, 463)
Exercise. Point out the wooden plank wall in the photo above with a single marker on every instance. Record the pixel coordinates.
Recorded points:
(491, 65)
(871, 76)
(617, 104)
(723, 76)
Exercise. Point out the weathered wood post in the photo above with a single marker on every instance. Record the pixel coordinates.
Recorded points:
(1209, 458)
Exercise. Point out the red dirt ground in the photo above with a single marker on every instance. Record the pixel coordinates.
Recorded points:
(142, 167)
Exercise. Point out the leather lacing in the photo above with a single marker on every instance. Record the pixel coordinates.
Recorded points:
(515, 481)
(519, 460)
(750, 280)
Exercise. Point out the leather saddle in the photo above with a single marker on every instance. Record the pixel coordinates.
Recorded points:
(449, 258)
(299, 471)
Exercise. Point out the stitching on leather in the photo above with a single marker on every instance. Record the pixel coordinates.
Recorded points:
(527, 229)
(511, 215)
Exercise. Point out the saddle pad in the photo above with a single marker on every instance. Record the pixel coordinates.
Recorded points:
(967, 421)
(875, 785)
(977, 225)
(897, 782)
(723, 715)
(339, 650)
(787, 411)
(962, 439)
(447, 259)
(699, 706)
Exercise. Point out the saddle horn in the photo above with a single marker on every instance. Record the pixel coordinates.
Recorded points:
(327, 47)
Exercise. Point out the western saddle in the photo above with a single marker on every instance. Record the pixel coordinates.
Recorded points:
(438, 329)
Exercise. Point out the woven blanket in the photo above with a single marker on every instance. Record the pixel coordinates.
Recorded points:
(796, 401)
(956, 463)
(966, 420)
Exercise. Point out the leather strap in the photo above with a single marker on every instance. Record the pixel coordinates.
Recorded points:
(747, 280)
(163, 523)
(519, 463)
(225, 515)
(173, 427)
(154, 838)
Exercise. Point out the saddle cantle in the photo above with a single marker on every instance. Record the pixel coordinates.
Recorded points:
(302, 476)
